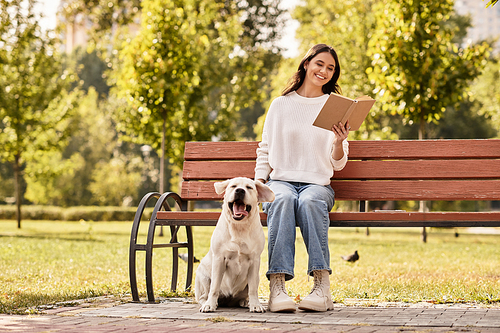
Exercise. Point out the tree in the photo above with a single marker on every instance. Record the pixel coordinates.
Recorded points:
(417, 69)
(187, 74)
(33, 107)
(161, 71)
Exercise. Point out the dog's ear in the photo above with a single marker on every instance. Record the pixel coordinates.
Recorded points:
(264, 192)
(220, 187)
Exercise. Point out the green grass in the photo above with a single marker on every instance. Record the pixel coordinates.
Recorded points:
(47, 262)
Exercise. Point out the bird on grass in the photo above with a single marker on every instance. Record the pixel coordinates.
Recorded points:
(352, 257)
(184, 256)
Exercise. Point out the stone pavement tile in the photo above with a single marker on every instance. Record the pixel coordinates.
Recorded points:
(440, 323)
(427, 315)
(60, 310)
(362, 329)
(455, 311)
(409, 311)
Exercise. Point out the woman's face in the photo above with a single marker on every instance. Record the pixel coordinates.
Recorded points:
(320, 69)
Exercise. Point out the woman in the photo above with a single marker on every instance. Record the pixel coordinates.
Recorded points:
(299, 159)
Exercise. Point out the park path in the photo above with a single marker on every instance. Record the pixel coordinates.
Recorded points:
(181, 315)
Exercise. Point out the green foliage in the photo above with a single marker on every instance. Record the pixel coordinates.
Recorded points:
(94, 168)
(416, 68)
(194, 64)
(190, 66)
(101, 16)
(484, 94)
(31, 78)
(160, 69)
(115, 181)
(463, 122)
(78, 213)
(91, 71)
(62, 177)
(34, 107)
(49, 177)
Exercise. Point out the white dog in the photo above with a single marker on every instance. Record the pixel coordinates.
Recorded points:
(229, 273)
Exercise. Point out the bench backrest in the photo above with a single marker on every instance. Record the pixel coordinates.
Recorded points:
(377, 170)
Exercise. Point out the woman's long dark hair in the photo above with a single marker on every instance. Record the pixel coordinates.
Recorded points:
(298, 78)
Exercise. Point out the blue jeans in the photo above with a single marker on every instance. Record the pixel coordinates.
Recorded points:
(305, 205)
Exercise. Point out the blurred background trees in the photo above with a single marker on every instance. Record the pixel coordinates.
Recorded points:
(87, 124)
(35, 107)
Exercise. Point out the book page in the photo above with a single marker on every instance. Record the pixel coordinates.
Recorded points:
(357, 117)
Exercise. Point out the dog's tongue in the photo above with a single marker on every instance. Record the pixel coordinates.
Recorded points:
(239, 209)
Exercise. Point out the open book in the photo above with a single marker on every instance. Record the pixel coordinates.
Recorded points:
(340, 109)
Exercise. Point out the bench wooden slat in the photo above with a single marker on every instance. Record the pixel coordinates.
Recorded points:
(417, 190)
(356, 219)
(425, 149)
(418, 169)
(382, 190)
(367, 150)
(234, 150)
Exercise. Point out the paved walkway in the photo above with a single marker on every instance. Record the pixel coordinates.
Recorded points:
(181, 315)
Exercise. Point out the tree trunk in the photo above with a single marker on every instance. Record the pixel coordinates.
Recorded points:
(162, 161)
(423, 204)
(17, 187)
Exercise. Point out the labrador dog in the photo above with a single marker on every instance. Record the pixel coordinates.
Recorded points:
(229, 274)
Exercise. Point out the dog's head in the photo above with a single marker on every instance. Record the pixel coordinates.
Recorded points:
(242, 195)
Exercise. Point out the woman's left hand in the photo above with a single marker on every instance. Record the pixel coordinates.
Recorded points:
(341, 132)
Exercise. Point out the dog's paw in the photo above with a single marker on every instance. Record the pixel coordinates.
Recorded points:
(256, 307)
(244, 303)
(207, 307)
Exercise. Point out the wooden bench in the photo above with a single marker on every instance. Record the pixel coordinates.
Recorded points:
(377, 171)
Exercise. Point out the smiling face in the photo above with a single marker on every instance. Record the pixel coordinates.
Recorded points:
(320, 69)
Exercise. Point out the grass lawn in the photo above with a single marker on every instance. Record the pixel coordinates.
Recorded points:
(47, 262)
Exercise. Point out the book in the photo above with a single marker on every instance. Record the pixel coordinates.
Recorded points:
(339, 109)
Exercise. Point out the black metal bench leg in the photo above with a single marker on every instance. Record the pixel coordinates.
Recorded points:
(134, 247)
(132, 275)
(189, 275)
(149, 247)
(175, 259)
(149, 263)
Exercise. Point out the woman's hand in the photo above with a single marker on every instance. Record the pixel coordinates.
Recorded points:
(341, 132)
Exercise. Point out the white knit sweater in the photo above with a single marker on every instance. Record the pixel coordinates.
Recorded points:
(292, 149)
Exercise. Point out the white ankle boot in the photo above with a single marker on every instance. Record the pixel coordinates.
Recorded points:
(320, 298)
(279, 301)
